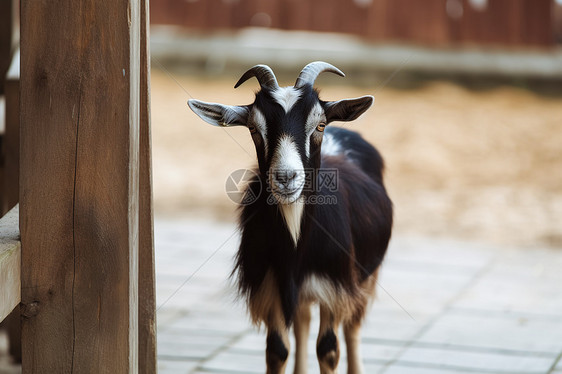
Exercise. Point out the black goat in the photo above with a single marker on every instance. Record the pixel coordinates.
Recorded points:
(320, 231)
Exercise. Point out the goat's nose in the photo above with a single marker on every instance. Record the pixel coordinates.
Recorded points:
(285, 177)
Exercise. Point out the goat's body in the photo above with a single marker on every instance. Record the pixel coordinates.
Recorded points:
(318, 220)
(343, 241)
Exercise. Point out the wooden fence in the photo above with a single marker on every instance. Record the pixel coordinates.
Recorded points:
(432, 22)
(76, 253)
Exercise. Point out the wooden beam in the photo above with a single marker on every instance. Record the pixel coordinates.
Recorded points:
(147, 291)
(10, 259)
(79, 185)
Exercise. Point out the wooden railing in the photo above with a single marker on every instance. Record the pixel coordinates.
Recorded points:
(10, 260)
(78, 114)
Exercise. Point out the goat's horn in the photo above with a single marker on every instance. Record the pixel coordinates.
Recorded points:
(311, 71)
(264, 75)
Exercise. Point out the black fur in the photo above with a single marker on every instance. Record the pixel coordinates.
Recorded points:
(327, 343)
(276, 352)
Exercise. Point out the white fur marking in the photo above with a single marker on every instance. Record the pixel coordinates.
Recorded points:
(315, 116)
(321, 290)
(287, 159)
(286, 97)
(259, 121)
(261, 125)
(330, 146)
(292, 213)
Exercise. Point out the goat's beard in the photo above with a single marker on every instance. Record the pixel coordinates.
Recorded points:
(286, 198)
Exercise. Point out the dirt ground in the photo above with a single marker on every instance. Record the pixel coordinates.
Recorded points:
(475, 165)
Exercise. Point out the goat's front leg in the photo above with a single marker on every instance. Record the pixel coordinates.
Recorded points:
(327, 346)
(302, 327)
(277, 345)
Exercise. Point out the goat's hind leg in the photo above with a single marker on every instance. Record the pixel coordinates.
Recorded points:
(302, 328)
(277, 344)
(352, 327)
(327, 346)
(351, 331)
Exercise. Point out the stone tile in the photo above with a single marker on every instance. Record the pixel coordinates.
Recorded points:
(193, 296)
(475, 361)
(558, 367)
(252, 342)
(398, 369)
(457, 256)
(532, 262)
(531, 290)
(219, 324)
(186, 265)
(416, 292)
(182, 233)
(424, 276)
(370, 367)
(165, 317)
(392, 324)
(397, 262)
(192, 345)
(175, 367)
(228, 362)
(379, 352)
(501, 331)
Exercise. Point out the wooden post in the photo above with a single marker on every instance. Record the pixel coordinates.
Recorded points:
(79, 185)
(147, 292)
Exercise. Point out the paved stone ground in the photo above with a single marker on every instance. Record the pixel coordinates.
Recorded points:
(442, 307)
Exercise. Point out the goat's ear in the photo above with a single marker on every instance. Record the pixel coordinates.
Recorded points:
(219, 114)
(348, 109)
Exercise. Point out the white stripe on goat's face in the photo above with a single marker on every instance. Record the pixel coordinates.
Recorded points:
(286, 97)
(286, 178)
(286, 172)
(292, 116)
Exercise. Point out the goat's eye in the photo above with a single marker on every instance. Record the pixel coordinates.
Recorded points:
(321, 126)
(252, 129)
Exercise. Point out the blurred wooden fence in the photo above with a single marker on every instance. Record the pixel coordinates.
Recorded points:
(433, 22)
